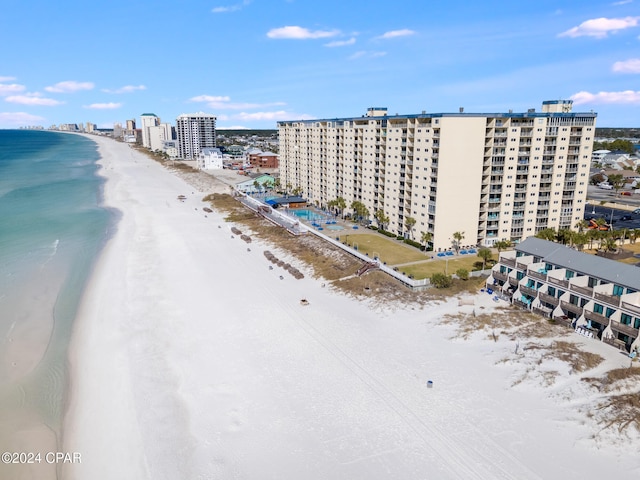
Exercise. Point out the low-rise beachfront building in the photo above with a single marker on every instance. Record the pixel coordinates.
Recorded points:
(262, 159)
(493, 176)
(256, 184)
(597, 296)
(210, 159)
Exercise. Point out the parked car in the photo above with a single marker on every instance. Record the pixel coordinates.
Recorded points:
(605, 186)
(626, 193)
(636, 211)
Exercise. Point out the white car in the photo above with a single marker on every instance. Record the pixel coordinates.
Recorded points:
(605, 186)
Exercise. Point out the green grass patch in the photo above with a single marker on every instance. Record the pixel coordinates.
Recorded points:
(393, 253)
(427, 268)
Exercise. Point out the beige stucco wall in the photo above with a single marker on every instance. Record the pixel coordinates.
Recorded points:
(461, 142)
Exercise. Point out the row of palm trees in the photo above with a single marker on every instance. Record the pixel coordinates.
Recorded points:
(605, 239)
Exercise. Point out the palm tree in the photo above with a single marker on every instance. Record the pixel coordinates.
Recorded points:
(621, 235)
(276, 184)
(341, 204)
(457, 238)
(633, 234)
(580, 239)
(360, 210)
(616, 181)
(582, 225)
(547, 234)
(609, 244)
(592, 234)
(426, 237)
(410, 222)
(381, 218)
(502, 245)
(485, 254)
(564, 236)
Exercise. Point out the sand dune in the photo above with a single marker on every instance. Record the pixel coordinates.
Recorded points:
(191, 359)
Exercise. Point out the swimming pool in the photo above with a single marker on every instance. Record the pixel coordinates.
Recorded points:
(308, 215)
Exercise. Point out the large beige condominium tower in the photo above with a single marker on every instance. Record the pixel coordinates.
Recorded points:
(147, 120)
(492, 176)
(195, 131)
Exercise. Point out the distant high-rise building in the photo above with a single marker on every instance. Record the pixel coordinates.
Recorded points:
(194, 132)
(158, 135)
(131, 127)
(489, 176)
(148, 120)
(118, 132)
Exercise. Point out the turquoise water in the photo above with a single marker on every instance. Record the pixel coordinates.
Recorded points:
(51, 230)
(308, 215)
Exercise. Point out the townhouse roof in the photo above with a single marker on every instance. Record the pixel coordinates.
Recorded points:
(562, 256)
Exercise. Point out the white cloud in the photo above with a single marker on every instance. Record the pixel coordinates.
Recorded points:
(622, 2)
(126, 89)
(628, 66)
(225, 103)
(33, 99)
(231, 8)
(210, 98)
(69, 86)
(397, 33)
(273, 116)
(7, 79)
(19, 118)
(300, 33)
(341, 43)
(366, 54)
(103, 106)
(625, 97)
(11, 89)
(234, 127)
(601, 27)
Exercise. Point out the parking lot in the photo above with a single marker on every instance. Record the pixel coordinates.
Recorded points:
(617, 218)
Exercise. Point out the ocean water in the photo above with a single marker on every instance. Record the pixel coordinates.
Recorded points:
(51, 229)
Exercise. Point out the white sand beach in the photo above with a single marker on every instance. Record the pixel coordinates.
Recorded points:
(191, 359)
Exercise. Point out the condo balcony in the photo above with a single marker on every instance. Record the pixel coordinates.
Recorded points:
(571, 307)
(505, 260)
(596, 317)
(528, 291)
(537, 275)
(630, 307)
(558, 282)
(608, 299)
(499, 276)
(545, 297)
(624, 329)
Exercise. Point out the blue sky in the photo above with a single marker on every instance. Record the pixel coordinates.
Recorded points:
(255, 62)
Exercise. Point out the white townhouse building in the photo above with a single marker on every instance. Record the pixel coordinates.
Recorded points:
(210, 159)
(492, 176)
(594, 294)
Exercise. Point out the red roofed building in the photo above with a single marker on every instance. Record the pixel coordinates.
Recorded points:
(263, 159)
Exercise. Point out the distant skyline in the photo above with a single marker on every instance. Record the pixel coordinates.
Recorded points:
(255, 62)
